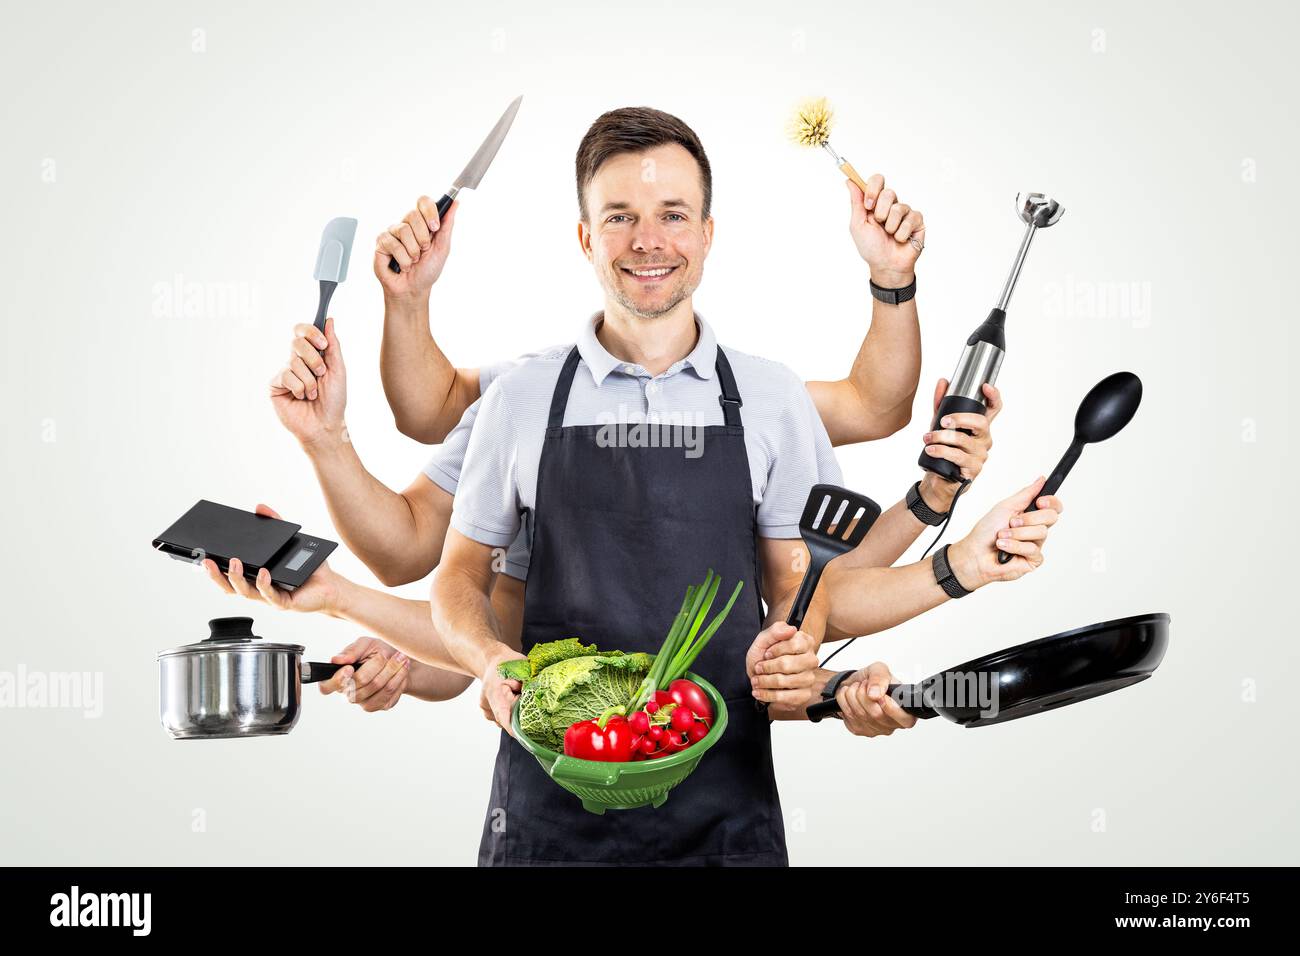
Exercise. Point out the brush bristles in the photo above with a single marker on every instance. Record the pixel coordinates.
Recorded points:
(811, 123)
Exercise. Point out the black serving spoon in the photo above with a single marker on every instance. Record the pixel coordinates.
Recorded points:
(1104, 411)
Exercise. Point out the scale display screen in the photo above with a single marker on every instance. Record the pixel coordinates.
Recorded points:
(299, 559)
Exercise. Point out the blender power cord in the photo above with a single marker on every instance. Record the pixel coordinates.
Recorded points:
(952, 509)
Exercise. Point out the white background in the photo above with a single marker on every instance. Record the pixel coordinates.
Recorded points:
(140, 153)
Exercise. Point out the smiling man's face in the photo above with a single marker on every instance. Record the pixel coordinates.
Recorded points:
(645, 234)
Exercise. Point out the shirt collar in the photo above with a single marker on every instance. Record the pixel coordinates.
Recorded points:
(701, 359)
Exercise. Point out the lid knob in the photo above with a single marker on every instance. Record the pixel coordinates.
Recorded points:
(226, 628)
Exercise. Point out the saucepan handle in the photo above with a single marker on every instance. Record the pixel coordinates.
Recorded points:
(314, 671)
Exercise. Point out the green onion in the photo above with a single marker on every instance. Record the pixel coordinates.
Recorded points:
(685, 641)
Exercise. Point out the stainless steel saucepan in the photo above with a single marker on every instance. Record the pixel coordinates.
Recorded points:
(234, 684)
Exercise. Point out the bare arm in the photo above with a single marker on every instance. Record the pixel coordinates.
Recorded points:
(463, 614)
(867, 600)
(876, 398)
(425, 391)
(875, 401)
(398, 536)
(433, 683)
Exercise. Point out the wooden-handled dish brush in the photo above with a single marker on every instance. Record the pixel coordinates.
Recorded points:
(811, 126)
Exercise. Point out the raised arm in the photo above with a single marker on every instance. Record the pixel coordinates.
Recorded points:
(867, 600)
(875, 400)
(398, 536)
(426, 393)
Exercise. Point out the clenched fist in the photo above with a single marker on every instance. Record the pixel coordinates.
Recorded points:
(419, 244)
(889, 234)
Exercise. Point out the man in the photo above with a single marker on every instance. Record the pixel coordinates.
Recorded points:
(400, 535)
(616, 530)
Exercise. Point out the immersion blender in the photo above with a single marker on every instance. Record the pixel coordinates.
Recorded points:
(982, 357)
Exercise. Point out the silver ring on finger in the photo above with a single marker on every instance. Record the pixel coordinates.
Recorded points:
(916, 244)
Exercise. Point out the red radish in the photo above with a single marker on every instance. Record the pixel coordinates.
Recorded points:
(682, 718)
(697, 733)
(639, 722)
(656, 734)
(690, 694)
(646, 746)
(662, 697)
(651, 706)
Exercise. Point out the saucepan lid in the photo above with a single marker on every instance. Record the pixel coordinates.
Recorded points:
(230, 634)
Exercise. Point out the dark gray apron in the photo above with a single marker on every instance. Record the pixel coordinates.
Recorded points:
(617, 535)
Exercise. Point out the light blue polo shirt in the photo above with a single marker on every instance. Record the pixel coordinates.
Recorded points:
(786, 444)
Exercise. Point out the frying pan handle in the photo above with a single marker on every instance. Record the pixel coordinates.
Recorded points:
(1051, 486)
(443, 205)
(830, 708)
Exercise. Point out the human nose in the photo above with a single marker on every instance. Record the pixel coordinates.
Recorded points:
(648, 236)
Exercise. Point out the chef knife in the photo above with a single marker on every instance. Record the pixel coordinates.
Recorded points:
(478, 165)
(332, 261)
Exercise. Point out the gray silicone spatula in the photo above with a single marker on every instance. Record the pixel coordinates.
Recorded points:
(472, 174)
(332, 261)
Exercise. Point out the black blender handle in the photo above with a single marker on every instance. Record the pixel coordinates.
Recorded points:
(948, 405)
(829, 708)
(1051, 486)
(443, 205)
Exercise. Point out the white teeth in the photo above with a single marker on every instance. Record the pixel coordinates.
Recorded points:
(650, 272)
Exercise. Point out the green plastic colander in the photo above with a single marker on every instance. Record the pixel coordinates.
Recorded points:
(608, 785)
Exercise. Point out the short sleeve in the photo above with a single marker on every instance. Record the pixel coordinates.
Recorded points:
(486, 508)
(802, 457)
(444, 465)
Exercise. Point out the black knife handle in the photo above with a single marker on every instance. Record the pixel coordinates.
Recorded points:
(443, 205)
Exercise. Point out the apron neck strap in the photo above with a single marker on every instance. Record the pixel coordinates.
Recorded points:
(560, 397)
(729, 398)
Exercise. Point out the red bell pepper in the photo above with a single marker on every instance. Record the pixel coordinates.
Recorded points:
(607, 738)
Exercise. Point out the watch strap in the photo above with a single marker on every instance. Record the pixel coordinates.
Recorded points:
(894, 296)
(923, 512)
(943, 574)
(832, 685)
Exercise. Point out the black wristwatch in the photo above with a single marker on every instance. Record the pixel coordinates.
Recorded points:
(943, 574)
(923, 512)
(894, 296)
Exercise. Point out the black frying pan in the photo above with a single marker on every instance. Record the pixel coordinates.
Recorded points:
(1041, 675)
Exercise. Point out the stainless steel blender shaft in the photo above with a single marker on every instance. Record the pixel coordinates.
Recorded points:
(1015, 269)
(1037, 211)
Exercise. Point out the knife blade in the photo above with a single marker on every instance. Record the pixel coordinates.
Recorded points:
(473, 172)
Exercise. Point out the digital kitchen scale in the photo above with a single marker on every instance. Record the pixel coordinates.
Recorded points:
(210, 530)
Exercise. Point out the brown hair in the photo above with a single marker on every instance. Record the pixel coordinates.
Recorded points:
(635, 129)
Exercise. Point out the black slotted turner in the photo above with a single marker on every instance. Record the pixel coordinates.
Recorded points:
(834, 522)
